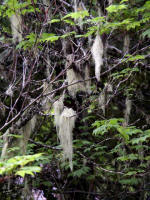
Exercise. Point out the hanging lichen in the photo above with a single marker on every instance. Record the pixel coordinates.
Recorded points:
(128, 104)
(109, 87)
(105, 96)
(16, 27)
(5, 143)
(46, 102)
(66, 126)
(126, 44)
(26, 132)
(110, 2)
(9, 91)
(74, 77)
(87, 76)
(97, 53)
(2, 110)
(78, 7)
(58, 108)
(47, 5)
(75, 5)
(102, 101)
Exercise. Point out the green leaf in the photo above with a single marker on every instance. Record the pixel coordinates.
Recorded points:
(18, 161)
(101, 130)
(77, 15)
(146, 33)
(49, 37)
(68, 34)
(28, 170)
(68, 21)
(139, 140)
(80, 172)
(15, 136)
(134, 58)
(96, 20)
(116, 8)
(133, 24)
(131, 173)
(123, 1)
(124, 132)
(55, 21)
(131, 181)
(128, 157)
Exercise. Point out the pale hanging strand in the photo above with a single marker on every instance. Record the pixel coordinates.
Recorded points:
(97, 54)
(110, 2)
(109, 87)
(73, 77)
(128, 104)
(66, 126)
(5, 143)
(105, 96)
(79, 6)
(58, 108)
(97, 50)
(16, 27)
(46, 102)
(80, 20)
(26, 133)
(47, 87)
(47, 8)
(75, 5)
(126, 44)
(87, 76)
(102, 101)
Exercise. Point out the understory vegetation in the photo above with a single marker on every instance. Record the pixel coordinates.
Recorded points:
(75, 99)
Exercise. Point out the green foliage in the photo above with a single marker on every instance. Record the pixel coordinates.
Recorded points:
(105, 151)
(131, 181)
(126, 144)
(146, 33)
(116, 8)
(77, 15)
(32, 39)
(28, 170)
(80, 172)
(11, 7)
(16, 165)
(124, 73)
(135, 58)
(106, 125)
